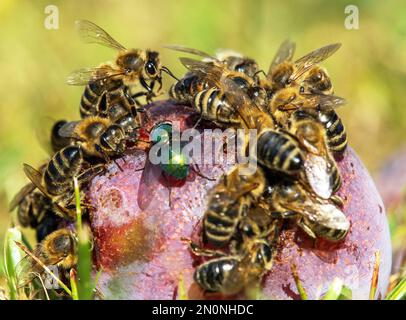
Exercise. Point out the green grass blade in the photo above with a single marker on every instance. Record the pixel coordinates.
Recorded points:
(334, 291)
(73, 284)
(399, 292)
(27, 252)
(12, 255)
(375, 276)
(182, 294)
(346, 294)
(85, 284)
(300, 289)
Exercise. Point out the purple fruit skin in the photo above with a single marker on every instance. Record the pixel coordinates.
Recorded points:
(143, 257)
(391, 180)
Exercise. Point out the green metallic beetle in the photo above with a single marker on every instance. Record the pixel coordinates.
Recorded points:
(170, 173)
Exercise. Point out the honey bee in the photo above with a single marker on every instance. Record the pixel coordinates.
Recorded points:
(214, 105)
(247, 262)
(283, 72)
(316, 81)
(287, 100)
(186, 88)
(316, 217)
(335, 130)
(108, 80)
(206, 75)
(320, 168)
(57, 249)
(35, 210)
(275, 149)
(59, 142)
(233, 61)
(228, 202)
(56, 180)
(100, 137)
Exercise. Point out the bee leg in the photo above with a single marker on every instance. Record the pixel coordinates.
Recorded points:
(152, 85)
(102, 105)
(258, 72)
(337, 200)
(88, 205)
(283, 215)
(159, 80)
(200, 252)
(149, 89)
(89, 173)
(106, 157)
(197, 122)
(170, 198)
(118, 165)
(306, 229)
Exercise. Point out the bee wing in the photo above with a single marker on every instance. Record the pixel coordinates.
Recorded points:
(35, 177)
(329, 216)
(92, 33)
(184, 49)
(43, 131)
(26, 190)
(284, 53)
(321, 102)
(248, 111)
(148, 185)
(68, 129)
(222, 54)
(306, 62)
(83, 76)
(318, 176)
(27, 269)
(211, 72)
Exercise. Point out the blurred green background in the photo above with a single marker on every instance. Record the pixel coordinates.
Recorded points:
(369, 70)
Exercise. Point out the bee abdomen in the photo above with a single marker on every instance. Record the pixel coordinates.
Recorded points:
(60, 170)
(90, 100)
(278, 152)
(219, 225)
(213, 105)
(219, 275)
(185, 89)
(335, 130)
(336, 179)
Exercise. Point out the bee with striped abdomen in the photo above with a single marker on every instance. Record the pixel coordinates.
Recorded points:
(320, 169)
(288, 100)
(56, 180)
(36, 211)
(275, 149)
(229, 199)
(204, 87)
(335, 130)
(56, 249)
(232, 60)
(251, 256)
(284, 72)
(105, 82)
(100, 137)
(316, 217)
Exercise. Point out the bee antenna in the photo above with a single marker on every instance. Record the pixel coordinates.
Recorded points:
(260, 71)
(165, 69)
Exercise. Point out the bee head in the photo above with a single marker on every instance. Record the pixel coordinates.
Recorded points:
(153, 65)
(130, 61)
(247, 66)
